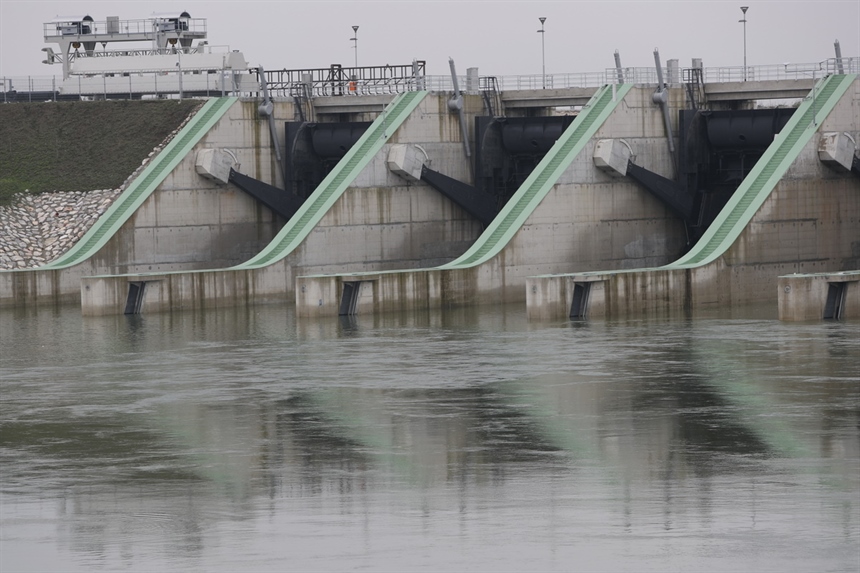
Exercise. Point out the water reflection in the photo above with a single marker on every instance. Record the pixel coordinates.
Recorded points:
(198, 439)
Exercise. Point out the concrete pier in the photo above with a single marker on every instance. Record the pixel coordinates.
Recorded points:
(824, 296)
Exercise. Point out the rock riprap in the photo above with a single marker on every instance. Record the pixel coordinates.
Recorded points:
(36, 229)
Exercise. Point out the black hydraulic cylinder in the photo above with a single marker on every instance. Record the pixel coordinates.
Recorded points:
(666, 190)
(477, 203)
(280, 201)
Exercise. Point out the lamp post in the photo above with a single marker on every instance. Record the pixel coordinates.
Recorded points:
(744, 10)
(355, 43)
(542, 50)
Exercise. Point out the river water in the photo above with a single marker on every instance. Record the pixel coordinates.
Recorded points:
(470, 440)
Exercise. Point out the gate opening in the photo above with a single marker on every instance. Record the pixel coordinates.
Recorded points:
(349, 298)
(134, 302)
(835, 301)
(580, 300)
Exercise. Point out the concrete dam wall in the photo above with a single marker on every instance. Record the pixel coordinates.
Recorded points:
(368, 237)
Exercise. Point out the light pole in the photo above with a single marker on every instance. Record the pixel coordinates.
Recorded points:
(542, 50)
(355, 43)
(744, 10)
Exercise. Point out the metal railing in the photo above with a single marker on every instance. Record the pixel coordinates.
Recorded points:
(778, 72)
(30, 87)
(337, 80)
(670, 75)
(133, 85)
(552, 81)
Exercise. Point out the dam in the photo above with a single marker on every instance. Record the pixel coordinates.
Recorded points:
(656, 191)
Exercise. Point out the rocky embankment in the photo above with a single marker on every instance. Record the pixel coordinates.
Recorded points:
(37, 228)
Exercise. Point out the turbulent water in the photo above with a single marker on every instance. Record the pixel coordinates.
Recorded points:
(473, 440)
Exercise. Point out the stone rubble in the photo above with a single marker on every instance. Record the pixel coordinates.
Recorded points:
(37, 228)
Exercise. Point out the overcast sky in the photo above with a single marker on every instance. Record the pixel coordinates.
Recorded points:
(499, 37)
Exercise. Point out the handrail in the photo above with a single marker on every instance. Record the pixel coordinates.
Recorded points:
(337, 80)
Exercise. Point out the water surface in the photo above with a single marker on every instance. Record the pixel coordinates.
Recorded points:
(468, 440)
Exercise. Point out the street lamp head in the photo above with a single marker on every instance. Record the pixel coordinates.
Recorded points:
(354, 40)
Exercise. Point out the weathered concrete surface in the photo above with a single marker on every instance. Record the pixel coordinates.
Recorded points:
(810, 223)
(189, 222)
(381, 222)
(589, 220)
(805, 297)
(536, 98)
(757, 89)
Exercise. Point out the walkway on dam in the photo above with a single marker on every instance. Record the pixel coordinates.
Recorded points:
(543, 291)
